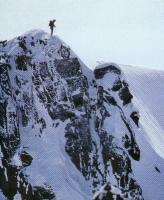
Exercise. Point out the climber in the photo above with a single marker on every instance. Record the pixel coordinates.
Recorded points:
(52, 25)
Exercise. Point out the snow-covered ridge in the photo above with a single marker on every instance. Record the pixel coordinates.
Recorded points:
(67, 132)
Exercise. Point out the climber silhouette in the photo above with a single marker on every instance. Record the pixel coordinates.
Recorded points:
(52, 25)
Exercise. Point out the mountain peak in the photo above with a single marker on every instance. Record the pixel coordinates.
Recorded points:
(37, 34)
(67, 132)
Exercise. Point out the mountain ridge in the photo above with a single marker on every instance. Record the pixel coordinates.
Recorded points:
(74, 130)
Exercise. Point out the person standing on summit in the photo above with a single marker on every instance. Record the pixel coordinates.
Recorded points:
(52, 25)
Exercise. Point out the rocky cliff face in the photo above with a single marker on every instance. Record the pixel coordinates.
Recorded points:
(65, 132)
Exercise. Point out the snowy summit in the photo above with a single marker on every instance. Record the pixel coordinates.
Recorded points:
(70, 133)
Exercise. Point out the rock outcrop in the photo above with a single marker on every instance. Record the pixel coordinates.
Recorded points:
(46, 92)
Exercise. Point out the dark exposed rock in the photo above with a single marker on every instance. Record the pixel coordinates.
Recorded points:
(3, 117)
(117, 85)
(11, 186)
(157, 169)
(131, 143)
(8, 181)
(3, 43)
(125, 95)
(44, 72)
(78, 144)
(9, 132)
(135, 117)
(78, 100)
(22, 62)
(42, 122)
(32, 43)
(68, 67)
(26, 158)
(64, 52)
(18, 82)
(25, 118)
(79, 82)
(59, 112)
(112, 192)
(114, 154)
(22, 43)
(111, 100)
(4, 79)
(41, 193)
(44, 42)
(107, 194)
(100, 72)
(100, 96)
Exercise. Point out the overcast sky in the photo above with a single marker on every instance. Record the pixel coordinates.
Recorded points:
(122, 31)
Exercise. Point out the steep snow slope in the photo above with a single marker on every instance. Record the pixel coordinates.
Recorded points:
(148, 84)
(67, 132)
(148, 89)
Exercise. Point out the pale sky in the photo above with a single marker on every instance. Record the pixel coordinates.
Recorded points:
(123, 31)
